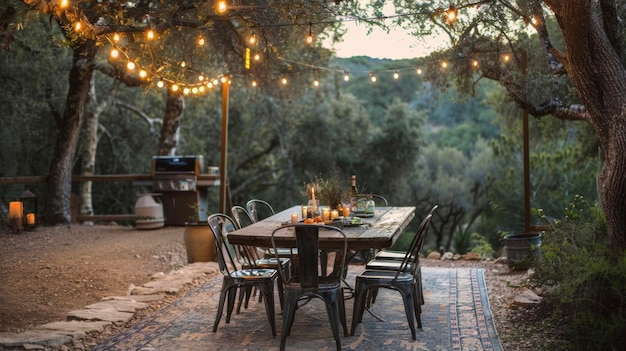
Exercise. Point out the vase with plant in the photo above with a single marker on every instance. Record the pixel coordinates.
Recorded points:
(332, 190)
(199, 241)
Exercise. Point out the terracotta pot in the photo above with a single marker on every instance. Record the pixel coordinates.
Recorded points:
(199, 242)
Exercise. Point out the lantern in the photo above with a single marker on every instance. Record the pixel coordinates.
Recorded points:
(29, 214)
(16, 213)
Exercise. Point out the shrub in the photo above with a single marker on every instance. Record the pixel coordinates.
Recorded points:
(584, 282)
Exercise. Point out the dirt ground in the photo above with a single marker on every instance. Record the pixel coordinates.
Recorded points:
(48, 272)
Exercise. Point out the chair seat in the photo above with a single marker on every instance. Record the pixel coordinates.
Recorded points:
(383, 276)
(390, 255)
(388, 265)
(254, 273)
(324, 283)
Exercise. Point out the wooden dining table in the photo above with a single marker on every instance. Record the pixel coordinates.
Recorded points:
(377, 232)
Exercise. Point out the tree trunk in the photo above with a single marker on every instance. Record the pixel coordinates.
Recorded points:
(59, 190)
(600, 80)
(91, 139)
(175, 105)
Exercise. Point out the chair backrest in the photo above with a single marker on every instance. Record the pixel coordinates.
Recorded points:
(307, 243)
(259, 209)
(412, 254)
(380, 200)
(230, 257)
(241, 216)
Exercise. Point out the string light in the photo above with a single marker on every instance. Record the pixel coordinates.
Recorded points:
(115, 53)
(77, 26)
(284, 81)
(396, 75)
(316, 83)
(373, 77)
(252, 39)
(150, 34)
(254, 83)
(506, 58)
(116, 37)
(309, 38)
(201, 41)
(346, 76)
(64, 3)
(475, 63)
(451, 14)
(143, 74)
(221, 7)
(418, 71)
(444, 64)
(257, 57)
(130, 65)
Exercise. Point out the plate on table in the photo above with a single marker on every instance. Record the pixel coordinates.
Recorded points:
(364, 214)
(349, 222)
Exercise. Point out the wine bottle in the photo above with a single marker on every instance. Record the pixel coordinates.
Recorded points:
(353, 195)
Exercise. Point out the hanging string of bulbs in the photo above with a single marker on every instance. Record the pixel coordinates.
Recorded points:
(205, 82)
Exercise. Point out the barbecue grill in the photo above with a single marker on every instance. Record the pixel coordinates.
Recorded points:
(184, 196)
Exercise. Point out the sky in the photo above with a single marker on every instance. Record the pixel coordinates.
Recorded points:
(396, 44)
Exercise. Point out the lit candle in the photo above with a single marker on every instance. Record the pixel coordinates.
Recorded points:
(30, 218)
(15, 209)
(346, 211)
(294, 217)
(326, 214)
(304, 211)
(334, 214)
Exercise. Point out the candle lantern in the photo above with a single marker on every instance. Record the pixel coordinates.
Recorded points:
(16, 213)
(29, 214)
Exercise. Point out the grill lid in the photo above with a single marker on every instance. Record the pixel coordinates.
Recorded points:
(177, 165)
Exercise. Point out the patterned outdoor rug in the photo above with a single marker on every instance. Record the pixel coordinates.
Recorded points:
(456, 316)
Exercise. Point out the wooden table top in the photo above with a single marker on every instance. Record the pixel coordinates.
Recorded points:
(379, 232)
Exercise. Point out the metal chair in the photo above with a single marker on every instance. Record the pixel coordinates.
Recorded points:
(402, 279)
(309, 283)
(242, 218)
(235, 277)
(389, 259)
(259, 209)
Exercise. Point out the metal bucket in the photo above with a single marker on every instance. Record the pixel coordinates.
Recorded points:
(522, 248)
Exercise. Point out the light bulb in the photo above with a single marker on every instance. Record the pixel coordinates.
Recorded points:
(194, 90)
(451, 14)
(160, 84)
(209, 85)
(506, 58)
(183, 64)
(186, 91)
(316, 83)
(64, 3)
(143, 74)
(254, 83)
(346, 77)
(175, 87)
(309, 38)
(257, 57)
(396, 75)
(115, 53)
(201, 89)
(252, 39)
(130, 65)
(116, 37)
(418, 70)
(77, 26)
(150, 34)
(201, 78)
(221, 7)
(444, 64)
(224, 79)
(284, 81)
(372, 77)
(215, 82)
(201, 41)
(475, 63)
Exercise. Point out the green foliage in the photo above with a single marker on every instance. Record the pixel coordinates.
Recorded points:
(585, 282)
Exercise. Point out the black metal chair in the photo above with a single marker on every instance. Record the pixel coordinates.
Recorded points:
(309, 283)
(259, 209)
(390, 259)
(254, 254)
(402, 279)
(236, 278)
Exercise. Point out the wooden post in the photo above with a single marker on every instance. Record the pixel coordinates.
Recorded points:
(224, 151)
(526, 147)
